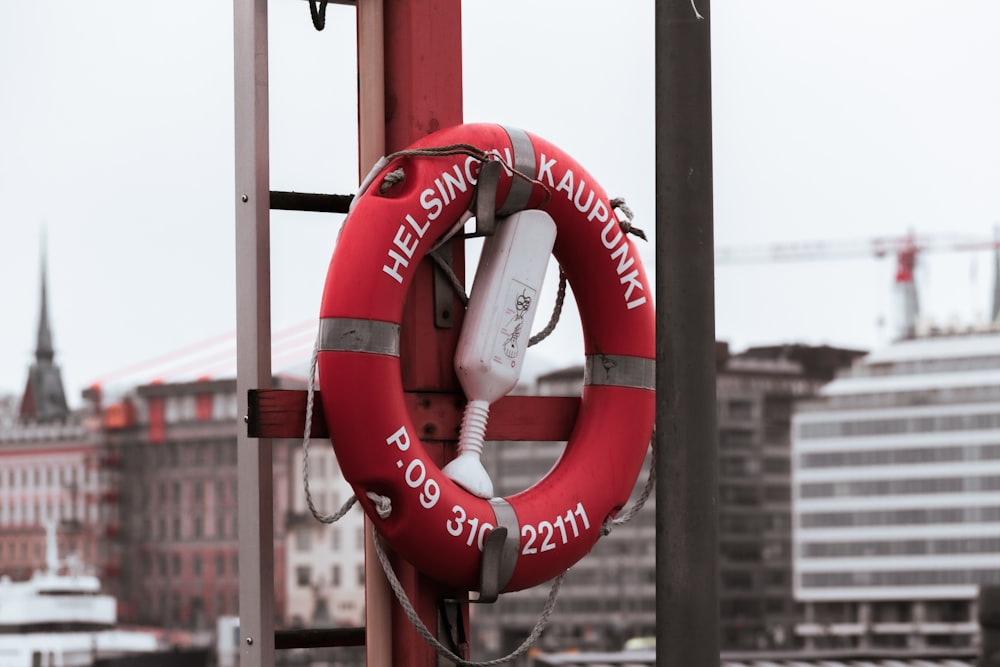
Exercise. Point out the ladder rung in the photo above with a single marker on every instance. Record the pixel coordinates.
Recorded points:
(319, 638)
(308, 201)
(280, 413)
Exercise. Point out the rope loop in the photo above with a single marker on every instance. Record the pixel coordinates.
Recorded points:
(627, 514)
(383, 505)
(456, 149)
(394, 177)
(310, 401)
(556, 312)
(618, 204)
(442, 650)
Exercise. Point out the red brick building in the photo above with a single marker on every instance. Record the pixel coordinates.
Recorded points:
(142, 488)
(176, 448)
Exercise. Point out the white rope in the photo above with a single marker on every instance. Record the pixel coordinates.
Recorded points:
(383, 505)
(310, 394)
(443, 650)
(627, 514)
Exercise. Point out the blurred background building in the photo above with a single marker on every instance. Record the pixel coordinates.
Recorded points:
(858, 497)
(609, 596)
(898, 495)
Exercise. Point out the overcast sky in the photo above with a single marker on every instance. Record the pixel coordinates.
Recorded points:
(832, 120)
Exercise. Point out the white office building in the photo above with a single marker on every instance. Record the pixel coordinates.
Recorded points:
(897, 496)
(325, 567)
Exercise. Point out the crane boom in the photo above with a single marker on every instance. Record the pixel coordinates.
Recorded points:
(906, 248)
(878, 246)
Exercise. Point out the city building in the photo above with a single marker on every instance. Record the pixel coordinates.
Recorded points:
(50, 463)
(325, 565)
(757, 391)
(49, 472)
(173, 446)
(897, 495)
(609, 596)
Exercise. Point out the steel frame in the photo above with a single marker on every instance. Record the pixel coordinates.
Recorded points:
(687, 603)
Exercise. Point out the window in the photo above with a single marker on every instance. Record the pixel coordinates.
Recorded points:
(740, 409)
(335, 539)
(777, 466)
(735, 439)
(335, 576)
(220, 565)
(303, 539)
(303, 575)
(196, 565)
(777, 493)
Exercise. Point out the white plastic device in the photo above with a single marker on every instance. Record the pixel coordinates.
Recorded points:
(494, 338)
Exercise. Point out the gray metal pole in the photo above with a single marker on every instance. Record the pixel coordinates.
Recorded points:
(687, 611)
(253, 330)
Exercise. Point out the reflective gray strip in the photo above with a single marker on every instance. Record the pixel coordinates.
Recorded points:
(506, 517)
(620, 371)
(524, 162)
(343, 334)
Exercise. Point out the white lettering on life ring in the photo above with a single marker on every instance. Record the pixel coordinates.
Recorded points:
(595, 209)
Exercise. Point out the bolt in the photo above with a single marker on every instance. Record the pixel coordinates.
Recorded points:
(249, 641)
(245, 199)
(246, 419)
(429, 428)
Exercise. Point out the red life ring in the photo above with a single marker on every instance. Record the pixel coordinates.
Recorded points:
(435, 524)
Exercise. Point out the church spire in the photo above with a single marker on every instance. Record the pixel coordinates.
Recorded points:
(44, 350)
(44, 399)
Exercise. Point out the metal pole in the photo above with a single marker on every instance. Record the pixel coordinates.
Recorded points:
(253, 330)
(371, 146)
(423, 92)
(686, 495)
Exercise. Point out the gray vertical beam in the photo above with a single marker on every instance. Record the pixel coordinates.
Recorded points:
(687, 612)
(253, 330)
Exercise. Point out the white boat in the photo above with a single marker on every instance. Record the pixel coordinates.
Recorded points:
(62, 619)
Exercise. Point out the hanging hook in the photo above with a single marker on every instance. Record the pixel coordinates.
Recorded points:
(318, 13)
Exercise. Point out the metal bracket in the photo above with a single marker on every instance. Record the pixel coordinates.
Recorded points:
(452, 628)
(486, 223)
(444, 293)
(486, 198)
(500, 550)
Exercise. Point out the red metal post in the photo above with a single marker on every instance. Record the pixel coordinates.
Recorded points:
(423, 93)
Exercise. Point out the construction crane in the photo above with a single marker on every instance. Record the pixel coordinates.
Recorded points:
(906, 248)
